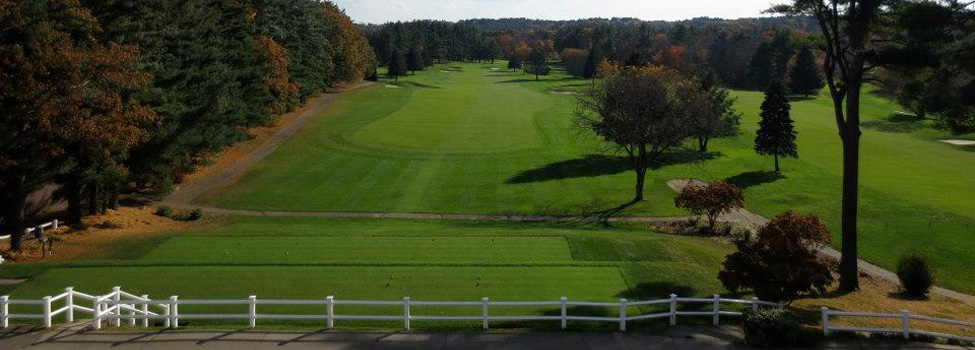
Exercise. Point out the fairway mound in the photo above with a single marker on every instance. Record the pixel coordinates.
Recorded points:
(960, 142)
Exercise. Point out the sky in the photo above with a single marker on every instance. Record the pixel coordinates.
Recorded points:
(381, 11)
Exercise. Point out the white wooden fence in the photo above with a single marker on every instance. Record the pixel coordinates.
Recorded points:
(53, 224)
(118, 306)
(904, 317)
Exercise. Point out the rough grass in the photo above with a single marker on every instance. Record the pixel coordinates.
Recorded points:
(481, 141)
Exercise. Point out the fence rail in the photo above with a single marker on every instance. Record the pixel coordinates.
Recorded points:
(53, 224)
(119, 306)
(904, 317)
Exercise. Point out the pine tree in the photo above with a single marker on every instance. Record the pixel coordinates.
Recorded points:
(414, 61)
(776, 135)
(760, 66)
(592, 62)
(806, 78)
(397, 65)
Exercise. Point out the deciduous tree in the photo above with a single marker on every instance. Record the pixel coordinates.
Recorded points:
(782, 262)
(711, 199)
(639, 110)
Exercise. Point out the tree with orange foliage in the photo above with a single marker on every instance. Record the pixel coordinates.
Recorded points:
(67, 106)
(711, 199)
(284, 91)
(782, 262)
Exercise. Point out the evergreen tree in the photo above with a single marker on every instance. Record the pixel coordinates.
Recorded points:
(776, 135)
(760, 66)
(805, 76)
(397, 65)
(514, 63)
(592, 62)
(414, 61)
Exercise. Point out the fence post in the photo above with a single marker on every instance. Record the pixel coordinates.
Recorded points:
(4, 311)
(717, 310)
(622, 315)
(781, 306)
(69, 303)
(330, 311)
(484, 312)
(132, 314)
(167, 319)
(145, 311)
(406, 313)
(673, 309)
(565, 316)
(252, 311)
(906, 324)
(96, 319)
(825, 312)
(754, 303)
(55, 226)
(117, 321)
(174, 311)
(47, 311)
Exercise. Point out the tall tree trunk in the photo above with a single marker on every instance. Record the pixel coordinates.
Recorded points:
(93, 202)
(640, 166)
(849, 271)
(702, 143)
(16, 215)
(73, 190)
(776, 163)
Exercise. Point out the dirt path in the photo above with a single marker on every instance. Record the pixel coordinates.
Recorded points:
(196, 186)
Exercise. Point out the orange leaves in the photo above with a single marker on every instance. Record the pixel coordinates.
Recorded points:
(283, 90)
(713, 199)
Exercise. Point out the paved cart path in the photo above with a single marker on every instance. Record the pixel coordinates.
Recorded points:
(724, 337)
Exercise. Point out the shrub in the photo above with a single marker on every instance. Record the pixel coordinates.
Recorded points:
(713, 199)
(782, 262)
(915, 274)
(164, 211)
(196, 214)
(771, 328)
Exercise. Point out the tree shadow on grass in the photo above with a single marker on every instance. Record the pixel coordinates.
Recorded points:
(418, 84)
(657, 290)
(683, 156)
(895, 123)
(588, 166)
(754, 178)
(800, 98)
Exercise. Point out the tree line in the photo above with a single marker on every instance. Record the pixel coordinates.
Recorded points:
(106, 96)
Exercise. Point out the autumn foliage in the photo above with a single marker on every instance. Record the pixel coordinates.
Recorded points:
(782, 262)
(284, 92)
(711, 199)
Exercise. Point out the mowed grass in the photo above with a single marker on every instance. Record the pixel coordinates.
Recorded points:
(309, 258)
(411, 149)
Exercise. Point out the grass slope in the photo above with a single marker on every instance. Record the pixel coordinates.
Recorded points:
(476, 139)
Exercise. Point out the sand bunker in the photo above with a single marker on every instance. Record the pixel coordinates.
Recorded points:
(563, 92)
(960, 142)
(391, 86)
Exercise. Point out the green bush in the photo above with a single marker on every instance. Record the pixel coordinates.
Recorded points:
(164, 211)
(196, 214)
(915, 274)
(772, 328)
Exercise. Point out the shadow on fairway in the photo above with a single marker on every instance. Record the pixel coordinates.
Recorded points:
(800, 98)
(589, 166)
(419, 85)
(657, 290)
(754, 178)
(683, 156)
(895, 123)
